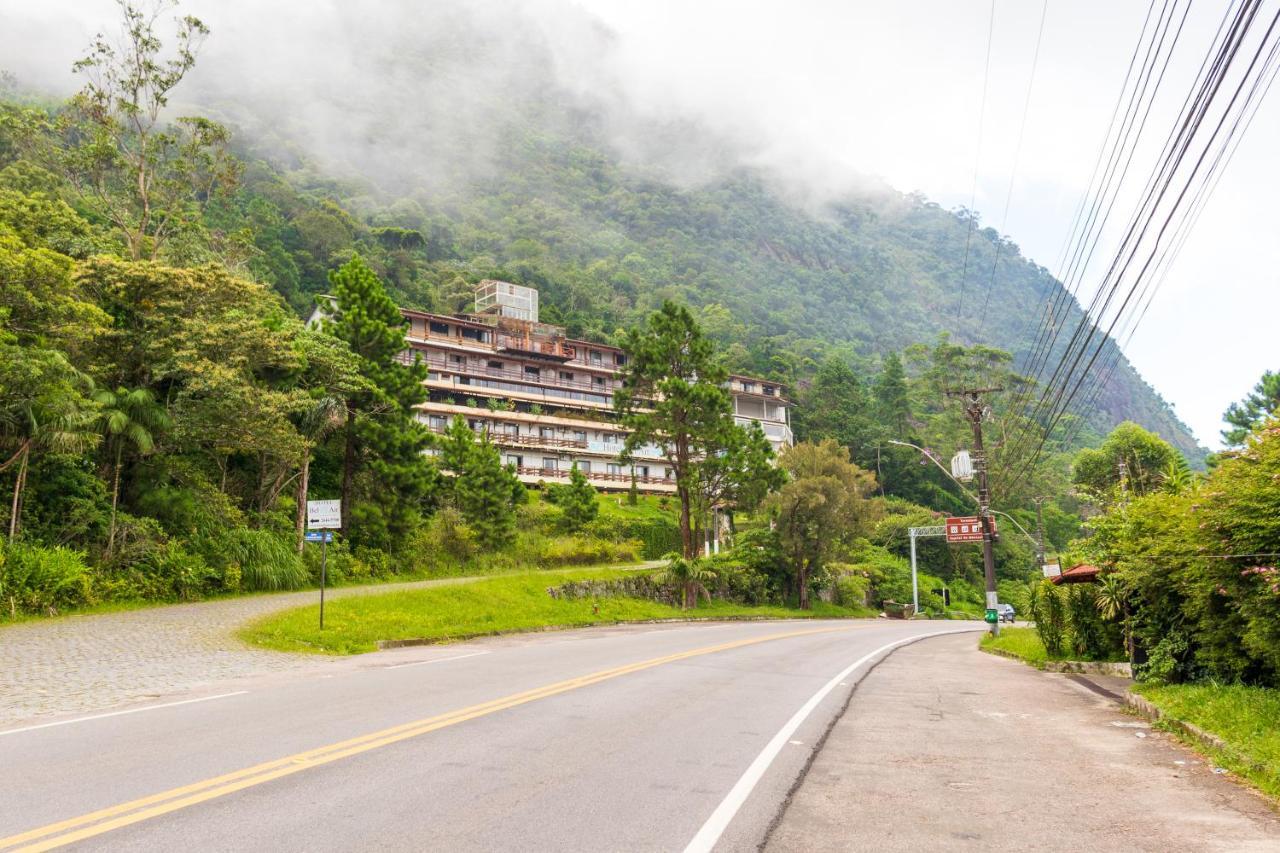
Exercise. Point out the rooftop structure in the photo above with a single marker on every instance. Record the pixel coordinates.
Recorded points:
(546, 400)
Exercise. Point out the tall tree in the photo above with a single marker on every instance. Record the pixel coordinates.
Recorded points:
(129, 419)
(381, 432)
(482, 489)
(149, 179)
(1130, 460)
(43, 408)
(1245, 416)
(893, 404)
(673, 396)
(822, 507)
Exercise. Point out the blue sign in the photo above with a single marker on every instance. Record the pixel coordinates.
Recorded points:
(318, 536)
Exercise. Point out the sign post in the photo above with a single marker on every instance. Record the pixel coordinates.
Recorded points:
(323, 516)
(914, 533)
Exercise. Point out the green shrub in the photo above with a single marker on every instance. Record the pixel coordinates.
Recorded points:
(266, 560)
(1051, 618)
(36, 579)
(180, 572)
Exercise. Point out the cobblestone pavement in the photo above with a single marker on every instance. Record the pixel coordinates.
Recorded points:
(99, 661)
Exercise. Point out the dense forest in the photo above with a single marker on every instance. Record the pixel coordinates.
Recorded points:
(165, 410)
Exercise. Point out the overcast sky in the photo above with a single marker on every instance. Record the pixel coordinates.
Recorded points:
(895, 89)
(826, 90)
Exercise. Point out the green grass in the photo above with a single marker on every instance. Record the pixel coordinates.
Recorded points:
(490, 606)
(1246, 718)
(1022, 642)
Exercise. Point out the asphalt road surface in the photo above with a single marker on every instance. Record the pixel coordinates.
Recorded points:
(660, 737)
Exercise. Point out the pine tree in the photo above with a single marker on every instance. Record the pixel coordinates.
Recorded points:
(892, 402)
(673, 395)
(484, 491)
(578, 501)
(381, 436)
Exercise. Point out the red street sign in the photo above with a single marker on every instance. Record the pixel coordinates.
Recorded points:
(967, 529)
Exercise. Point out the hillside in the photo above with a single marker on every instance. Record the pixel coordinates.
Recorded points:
(778, 284)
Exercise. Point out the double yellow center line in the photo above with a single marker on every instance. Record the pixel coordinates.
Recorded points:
(135, 811)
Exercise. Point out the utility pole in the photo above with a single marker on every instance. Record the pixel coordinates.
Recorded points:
(1040, 534)
(974, 411)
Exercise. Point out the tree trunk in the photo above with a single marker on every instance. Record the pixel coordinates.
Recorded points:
(115, 500)
(348, 468)
(686, 529)
(301, 515)
(19, 480)
(803, 577)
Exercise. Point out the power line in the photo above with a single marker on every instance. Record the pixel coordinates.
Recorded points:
(977, 163)
(1017, 155)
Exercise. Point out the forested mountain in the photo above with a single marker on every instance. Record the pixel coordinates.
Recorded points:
(492, 140)
(604, 242)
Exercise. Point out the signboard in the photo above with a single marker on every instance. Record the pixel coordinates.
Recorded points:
(318, 536)
(323, 515)
(1052, 570)
(967, 528)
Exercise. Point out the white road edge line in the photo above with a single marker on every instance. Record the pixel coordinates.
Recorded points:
(434, 660)
(715, 826)
(120, 713)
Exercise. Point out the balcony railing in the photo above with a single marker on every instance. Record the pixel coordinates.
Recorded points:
(545, 347)
(600, 476)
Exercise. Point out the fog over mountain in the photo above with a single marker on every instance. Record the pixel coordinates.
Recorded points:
(442, 104)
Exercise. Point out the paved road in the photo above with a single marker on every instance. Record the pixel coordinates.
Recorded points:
(635, 738)
(946, 748)
(99, 661)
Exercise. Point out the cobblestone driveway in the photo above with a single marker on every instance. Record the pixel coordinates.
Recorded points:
(92, 662)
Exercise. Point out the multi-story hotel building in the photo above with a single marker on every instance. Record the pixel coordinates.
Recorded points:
(546, 400)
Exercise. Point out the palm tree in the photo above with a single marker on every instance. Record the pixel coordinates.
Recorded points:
(43, 409)
(690, 575)
(1112, 601)
(127, 418)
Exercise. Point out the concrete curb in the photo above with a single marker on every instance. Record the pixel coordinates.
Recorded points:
(1079, 667)
(1207, 741)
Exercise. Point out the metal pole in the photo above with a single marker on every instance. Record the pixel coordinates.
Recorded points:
(1040, 534)
(915, 586)
(324, 553)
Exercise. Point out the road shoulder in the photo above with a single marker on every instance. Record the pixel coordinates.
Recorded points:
(945, 748)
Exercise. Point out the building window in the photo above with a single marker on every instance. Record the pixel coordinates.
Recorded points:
(614, 469)
(474, 334)
(439, 328)
(580, 437)
(748, 387)
(494, 365)
(566, 375)
(436, 422)
(619, 359)
(599, 381)
(454, 358)
(530, 370)
(667, 474)
(584, 466)
(768, 390)
(549, 463)
(596, 357)
(547, 432)
(517, 461)
(610, 437)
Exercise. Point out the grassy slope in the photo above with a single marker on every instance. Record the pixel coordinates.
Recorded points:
(1022, 642)
(1247, 718)
(491, 606)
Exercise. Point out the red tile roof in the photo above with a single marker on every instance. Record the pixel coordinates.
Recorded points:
(1083, 573)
